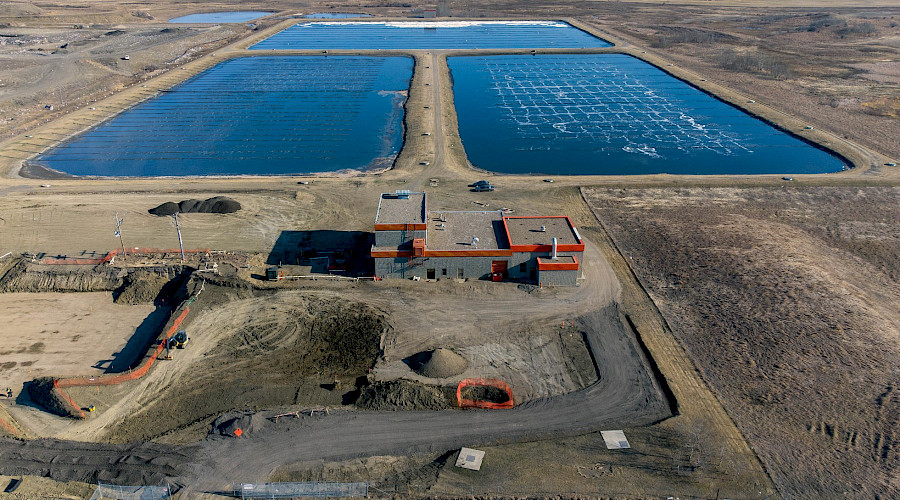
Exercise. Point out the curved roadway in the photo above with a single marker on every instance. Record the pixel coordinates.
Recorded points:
(624, 396)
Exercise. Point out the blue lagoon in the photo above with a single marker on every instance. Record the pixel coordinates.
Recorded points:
(431, 35)
(254, 115)
(611, 114)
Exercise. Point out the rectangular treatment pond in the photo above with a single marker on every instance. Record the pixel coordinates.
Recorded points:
(431, 35)
(611, 114)
(263, 115)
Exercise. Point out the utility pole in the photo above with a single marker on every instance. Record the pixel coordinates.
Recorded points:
(178, 230)
(118, 234)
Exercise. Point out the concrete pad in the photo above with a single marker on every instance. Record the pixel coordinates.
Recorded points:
(615, 440)
(470, 459)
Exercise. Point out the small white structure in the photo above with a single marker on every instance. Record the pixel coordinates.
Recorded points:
(615, 440)
(470, 459)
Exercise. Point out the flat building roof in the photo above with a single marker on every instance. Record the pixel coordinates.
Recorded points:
(528, 231)
(454, 231)
(401, 207)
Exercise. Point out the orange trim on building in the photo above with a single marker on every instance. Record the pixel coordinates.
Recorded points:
(401, 227)
(551, 265)
(376, 254)
(547, 248)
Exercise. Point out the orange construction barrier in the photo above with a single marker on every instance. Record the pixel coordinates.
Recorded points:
(473, 403)
(109, 256)
(9, 428)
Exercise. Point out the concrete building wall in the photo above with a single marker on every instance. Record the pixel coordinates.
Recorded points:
(558, 278)
(476, 268)
(396, 239)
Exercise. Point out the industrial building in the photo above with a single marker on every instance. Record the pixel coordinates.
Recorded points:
(411, 241)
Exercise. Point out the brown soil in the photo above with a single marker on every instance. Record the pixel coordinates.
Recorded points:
(26, 276)
(271, 351)
(403, 395)
(404, 475)
(31, 487)
(145, 286)
(484, 393)
(786, 300)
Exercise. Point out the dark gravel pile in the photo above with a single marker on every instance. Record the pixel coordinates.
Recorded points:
(214, 205)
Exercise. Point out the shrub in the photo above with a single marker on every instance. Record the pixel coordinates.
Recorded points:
(754, 62)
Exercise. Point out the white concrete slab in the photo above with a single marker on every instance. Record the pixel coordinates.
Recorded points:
(470, 459)
(615, 440)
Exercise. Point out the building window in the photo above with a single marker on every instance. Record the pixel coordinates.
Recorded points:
(429, 274)
(459, 273)
(523, 267)
(444, 272)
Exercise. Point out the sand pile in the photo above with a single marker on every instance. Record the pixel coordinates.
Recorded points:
(439, 363)
(214, 205)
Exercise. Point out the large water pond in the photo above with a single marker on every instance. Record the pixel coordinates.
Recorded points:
(334, 15)
(220, 17)
(431, 35)
(611, 114)
(255, 115)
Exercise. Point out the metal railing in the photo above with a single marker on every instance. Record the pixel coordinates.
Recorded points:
(294, 490)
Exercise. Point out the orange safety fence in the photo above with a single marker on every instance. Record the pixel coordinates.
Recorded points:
(140, 371)
(75, 261)
(9, 428)
(473, 403)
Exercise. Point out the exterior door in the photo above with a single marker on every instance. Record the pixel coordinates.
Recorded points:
(498, 270)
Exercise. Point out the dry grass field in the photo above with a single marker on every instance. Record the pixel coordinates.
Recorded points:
(786, 300)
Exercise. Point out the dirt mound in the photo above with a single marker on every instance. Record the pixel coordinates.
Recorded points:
(229, 423)
(141, 287)
(485, 393)
(214, 205)
(322, 335)
(31, 277)
(42, 392)
(402, 395)
(271, 350)
(439, 363)
(167, 208)
(9, 9)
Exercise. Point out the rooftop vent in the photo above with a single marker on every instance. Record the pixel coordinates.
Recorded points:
(543, 229)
